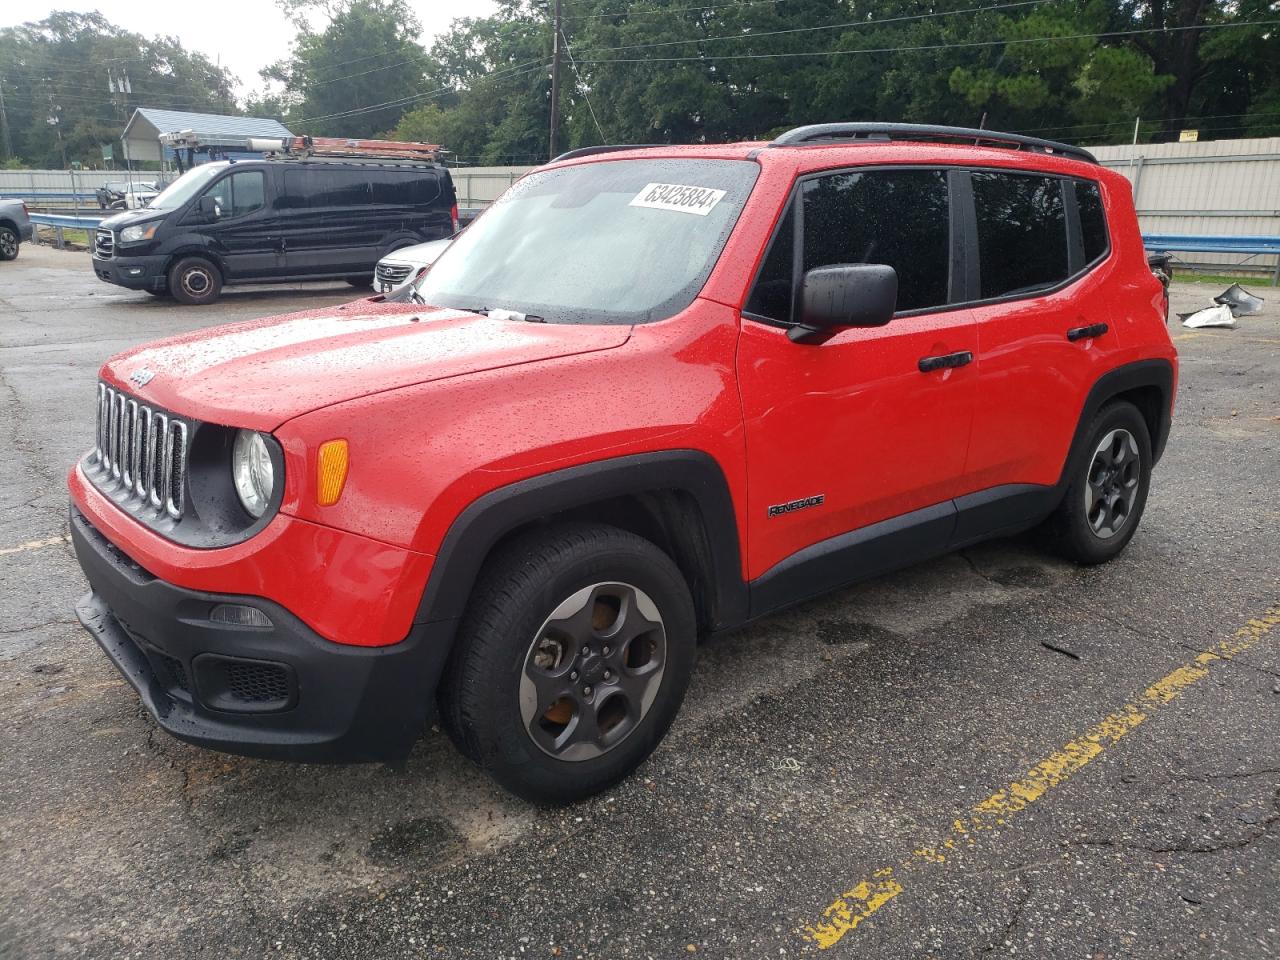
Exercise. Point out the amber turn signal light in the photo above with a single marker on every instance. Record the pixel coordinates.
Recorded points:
(331, 472)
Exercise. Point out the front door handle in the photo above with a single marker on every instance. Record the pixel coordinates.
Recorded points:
(928, 364)
(1093, 330)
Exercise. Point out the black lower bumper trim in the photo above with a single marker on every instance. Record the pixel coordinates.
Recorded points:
(337, 703)
(135, 273)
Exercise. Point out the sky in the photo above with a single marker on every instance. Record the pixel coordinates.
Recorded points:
(246, 34)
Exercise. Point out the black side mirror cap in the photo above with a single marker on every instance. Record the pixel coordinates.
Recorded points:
(844, 295)
(209, 207)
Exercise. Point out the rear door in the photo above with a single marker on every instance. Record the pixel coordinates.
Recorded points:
(853, 431)
(1044, 320)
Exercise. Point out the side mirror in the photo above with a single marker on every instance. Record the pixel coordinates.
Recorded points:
(844, 295)
(208, 207)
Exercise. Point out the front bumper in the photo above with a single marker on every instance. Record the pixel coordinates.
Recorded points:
(136, 273)
(281, 691)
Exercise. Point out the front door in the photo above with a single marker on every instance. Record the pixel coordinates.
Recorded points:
(856, 430)
(243, 230)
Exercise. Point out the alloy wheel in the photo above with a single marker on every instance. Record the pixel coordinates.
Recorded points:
(592, 671)
(1112, 486)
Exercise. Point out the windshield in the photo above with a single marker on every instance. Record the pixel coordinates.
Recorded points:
(622, 241)
(185, 187)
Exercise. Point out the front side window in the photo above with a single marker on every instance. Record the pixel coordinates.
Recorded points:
(895, 217)
(238, 194)
(615, 241)
(1022, 233)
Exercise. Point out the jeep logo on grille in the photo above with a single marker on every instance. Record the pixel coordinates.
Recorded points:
(141, 377)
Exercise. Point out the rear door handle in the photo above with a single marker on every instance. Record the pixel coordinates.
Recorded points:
(1093, 330)
(928, 364)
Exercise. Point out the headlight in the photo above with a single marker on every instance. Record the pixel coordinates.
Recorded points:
(252, 472)
(138, 233)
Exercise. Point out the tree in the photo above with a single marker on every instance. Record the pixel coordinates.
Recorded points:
(63, 79)
(353, 77)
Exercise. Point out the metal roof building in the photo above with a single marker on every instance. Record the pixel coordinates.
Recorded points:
(142, 132)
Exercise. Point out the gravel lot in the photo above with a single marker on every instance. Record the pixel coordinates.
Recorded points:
(995, 754)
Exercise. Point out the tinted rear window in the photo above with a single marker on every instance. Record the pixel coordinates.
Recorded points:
(316, 186)
(1022, 233)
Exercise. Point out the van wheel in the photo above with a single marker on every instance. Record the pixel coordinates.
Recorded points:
(195, 281)
(1100, 511)
(571, 661)
(9, 243)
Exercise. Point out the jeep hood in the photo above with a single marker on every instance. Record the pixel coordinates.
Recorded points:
(262, 373)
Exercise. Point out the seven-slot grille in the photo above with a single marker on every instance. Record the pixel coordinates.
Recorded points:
(392, 273)
(142, 449)
(104, 244)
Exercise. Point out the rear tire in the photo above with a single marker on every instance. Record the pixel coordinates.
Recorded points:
(195, 281)
(9, 243)
(1107, 494)
(571, 661)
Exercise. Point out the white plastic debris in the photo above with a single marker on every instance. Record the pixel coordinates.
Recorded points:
(1218, 315)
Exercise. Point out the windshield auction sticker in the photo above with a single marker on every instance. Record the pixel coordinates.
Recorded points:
(678, 197)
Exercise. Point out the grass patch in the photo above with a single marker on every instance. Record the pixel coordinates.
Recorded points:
(1220, 279)
(72, 236)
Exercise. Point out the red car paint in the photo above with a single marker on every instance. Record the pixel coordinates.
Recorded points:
(441, 407)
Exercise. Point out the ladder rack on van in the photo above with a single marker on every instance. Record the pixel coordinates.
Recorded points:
(301, 148)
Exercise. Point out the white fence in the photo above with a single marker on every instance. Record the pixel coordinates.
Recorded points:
(1215, 188)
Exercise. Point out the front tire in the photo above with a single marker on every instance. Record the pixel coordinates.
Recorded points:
(571, 661)
(1105, 499)
(195, 281)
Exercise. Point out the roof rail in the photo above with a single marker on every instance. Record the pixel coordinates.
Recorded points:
(924, 132)
(604, 148)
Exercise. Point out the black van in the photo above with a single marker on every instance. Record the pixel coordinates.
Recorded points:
(266, 221)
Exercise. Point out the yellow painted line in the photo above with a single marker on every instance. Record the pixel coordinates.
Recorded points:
(33, 545)
(864, 898)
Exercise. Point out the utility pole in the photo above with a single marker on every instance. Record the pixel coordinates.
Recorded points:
(555, 82)
(4, 125)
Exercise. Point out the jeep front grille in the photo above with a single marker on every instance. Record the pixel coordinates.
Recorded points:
(142, 452)
(104, 244)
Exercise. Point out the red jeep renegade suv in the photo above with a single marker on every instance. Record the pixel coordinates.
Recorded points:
(650, 394)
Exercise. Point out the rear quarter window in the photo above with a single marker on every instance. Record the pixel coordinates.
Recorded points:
(1093, 221)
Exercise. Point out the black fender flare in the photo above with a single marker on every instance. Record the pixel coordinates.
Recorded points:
(492, 516)
(1141, 373)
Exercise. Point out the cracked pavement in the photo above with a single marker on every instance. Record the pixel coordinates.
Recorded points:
(814, 746)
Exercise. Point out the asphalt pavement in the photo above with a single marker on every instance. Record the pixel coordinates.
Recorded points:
(996, 754)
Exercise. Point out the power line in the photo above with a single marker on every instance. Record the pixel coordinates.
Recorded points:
(932, 46)
(853, 24)
(583, 86)
(669, 10)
